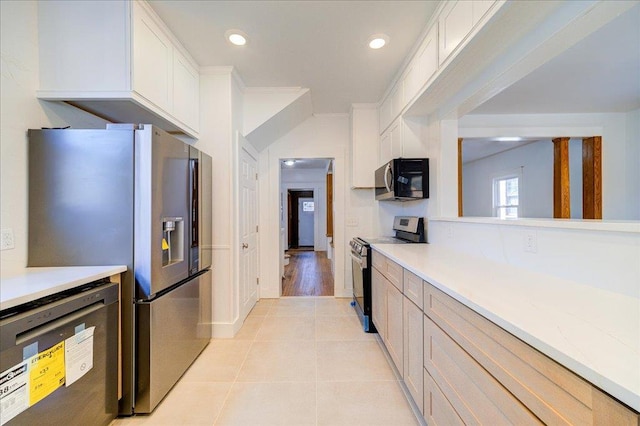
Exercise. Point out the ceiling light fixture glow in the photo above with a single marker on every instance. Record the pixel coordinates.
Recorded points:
(377, 41)
(509, 139)
(290, 162)
(236, 37)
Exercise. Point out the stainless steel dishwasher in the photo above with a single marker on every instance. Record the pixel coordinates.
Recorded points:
(59, 358)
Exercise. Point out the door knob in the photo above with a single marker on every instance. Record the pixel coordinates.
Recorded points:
(245, 245)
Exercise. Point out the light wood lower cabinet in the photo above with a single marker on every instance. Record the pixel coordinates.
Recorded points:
(461, 368)
(437, 408)
(413, 349)
(480, 367)
(394, 339)
(379, 302)
(478, 398)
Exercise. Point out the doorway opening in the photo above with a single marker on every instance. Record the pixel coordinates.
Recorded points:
(301, 212)
(306, 205)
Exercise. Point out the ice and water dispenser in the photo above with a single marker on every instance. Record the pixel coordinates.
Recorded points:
(172, 240)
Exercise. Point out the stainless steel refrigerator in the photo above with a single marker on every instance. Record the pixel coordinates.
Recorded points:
(140, 197)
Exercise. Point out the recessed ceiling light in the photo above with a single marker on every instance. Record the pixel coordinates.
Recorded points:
(509, 139)
(290, 162)
(377, 41)
(236, 37)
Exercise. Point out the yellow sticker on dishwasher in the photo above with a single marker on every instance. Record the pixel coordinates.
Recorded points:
(165, 246)
(46, 373)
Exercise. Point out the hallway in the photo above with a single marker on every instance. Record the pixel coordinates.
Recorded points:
(307, 274)
(295, 361)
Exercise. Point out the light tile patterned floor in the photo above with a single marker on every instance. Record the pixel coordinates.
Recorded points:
(296, 361)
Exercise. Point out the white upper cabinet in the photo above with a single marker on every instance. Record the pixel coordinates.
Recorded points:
(117, 60)
(186, 91)
(364, 139)
(401, 139)
(454, 24)
(152, 59)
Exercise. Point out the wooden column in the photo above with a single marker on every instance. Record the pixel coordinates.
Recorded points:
(592, 177)
(460, 210)
(561, 187)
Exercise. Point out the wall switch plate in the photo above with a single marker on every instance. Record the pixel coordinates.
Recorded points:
(6, 239)
(531, 242)
(352, 221)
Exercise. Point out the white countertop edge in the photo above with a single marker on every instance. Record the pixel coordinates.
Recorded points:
(28, 284)
(622, 393)
(583, 224)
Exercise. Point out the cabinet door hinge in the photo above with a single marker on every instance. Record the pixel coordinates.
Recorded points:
(258, 281)
(256, 176)
(256, 228)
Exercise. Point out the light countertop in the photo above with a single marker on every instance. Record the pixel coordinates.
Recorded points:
(591, 331)
(27, 284)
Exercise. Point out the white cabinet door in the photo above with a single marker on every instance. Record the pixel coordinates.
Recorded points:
(397, 100)
(152, 60)
(413, 351)
(385, 114)
(386, 151)
(427, 57)
(454, 24)
(395, 133)
(379, 302)
(186, 91)
(480, 7)
(395, 333)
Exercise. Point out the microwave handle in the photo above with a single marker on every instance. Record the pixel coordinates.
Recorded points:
(388, 172)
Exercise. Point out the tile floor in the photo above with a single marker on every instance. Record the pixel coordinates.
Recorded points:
(296, 361)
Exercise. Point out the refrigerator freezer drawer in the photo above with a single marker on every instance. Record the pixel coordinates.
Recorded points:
(172, 331)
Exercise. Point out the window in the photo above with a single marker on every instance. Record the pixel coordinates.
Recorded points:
(506, 197)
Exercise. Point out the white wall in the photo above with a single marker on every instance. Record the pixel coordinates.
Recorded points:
(534, 160)
(601, 259)
(632, 165)
(321, 136)
(19, 111)
(316, 180)
(216, 140)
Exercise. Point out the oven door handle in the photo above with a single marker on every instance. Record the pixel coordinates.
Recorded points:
(359, 260)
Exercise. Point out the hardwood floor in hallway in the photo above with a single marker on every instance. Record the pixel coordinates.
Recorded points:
(307, 274)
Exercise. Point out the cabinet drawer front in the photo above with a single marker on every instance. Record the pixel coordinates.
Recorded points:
(390, 269)
(378, 261)
(477, 396)
(550, 391)
(437, 409)
(413, 287)
(394, 274)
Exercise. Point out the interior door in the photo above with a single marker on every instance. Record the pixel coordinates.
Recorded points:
(306, 212)
(248, 213)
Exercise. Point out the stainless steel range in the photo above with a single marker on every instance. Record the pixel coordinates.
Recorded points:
(408, 229)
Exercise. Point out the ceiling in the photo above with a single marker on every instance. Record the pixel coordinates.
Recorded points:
(478, 148)
(320, 45)
(601, 73)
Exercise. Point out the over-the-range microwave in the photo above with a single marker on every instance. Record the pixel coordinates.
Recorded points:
(403, 179)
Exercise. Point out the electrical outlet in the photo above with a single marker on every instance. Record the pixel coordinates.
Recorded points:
(449, 230)
(352, 221)
(531, 242)
(6, 239)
